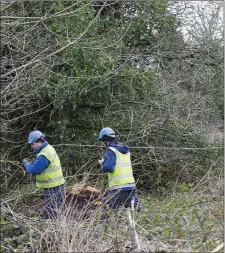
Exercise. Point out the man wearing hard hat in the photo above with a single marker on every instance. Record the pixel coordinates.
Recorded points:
(48, 172)
(117, 163)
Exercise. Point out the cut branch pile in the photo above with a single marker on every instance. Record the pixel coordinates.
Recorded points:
(82, 197)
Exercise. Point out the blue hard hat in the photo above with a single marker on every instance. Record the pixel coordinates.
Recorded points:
(106, 132)
(35, 135)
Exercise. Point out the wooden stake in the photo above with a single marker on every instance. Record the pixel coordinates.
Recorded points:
(134, 236)
(218, 248)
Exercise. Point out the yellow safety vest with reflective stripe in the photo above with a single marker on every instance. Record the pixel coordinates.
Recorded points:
(122, 174)
(52, 175)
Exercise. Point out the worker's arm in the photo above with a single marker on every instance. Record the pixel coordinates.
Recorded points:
(39, 164)
(109, 162)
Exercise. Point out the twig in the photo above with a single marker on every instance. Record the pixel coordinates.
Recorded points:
(7, 6)
(10, 247)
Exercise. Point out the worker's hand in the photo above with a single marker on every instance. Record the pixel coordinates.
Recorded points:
(100, 161)
(26, 164)
(25, 160)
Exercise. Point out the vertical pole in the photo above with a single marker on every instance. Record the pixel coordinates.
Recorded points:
(134, 236)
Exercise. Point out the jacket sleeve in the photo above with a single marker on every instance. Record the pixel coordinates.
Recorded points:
(39, 164)
(109, 161)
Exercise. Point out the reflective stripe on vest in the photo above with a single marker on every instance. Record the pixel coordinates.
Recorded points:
(122, 186)
(50, 180)
(122, 173)
(52, 175)
(52, 170)
(120, 177)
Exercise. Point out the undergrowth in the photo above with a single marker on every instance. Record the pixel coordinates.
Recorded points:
(183, 221)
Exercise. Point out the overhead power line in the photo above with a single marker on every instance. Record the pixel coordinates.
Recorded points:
(143, 147)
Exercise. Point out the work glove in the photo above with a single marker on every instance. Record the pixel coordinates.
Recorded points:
(26, 163)
(100, 162)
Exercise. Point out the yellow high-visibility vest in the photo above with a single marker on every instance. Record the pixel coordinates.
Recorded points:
(51, 176)
(123, 173)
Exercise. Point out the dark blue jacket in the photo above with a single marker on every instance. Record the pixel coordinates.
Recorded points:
(39, 164)
(109, 162)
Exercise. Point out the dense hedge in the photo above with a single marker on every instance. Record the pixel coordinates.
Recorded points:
(77, 71)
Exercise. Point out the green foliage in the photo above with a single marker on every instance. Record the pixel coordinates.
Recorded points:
(18, 238)
(2, 220)
(218, 95)
(186, 218)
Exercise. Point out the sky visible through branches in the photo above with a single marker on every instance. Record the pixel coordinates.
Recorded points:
(199, 19)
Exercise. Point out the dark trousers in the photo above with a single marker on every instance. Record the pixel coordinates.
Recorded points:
(119, 198)
(116, 199)
(53, 199)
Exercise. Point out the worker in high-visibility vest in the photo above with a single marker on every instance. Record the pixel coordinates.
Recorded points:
(117, 163)
(48, 172)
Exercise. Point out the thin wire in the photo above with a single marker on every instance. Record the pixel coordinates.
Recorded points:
(148, 147)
